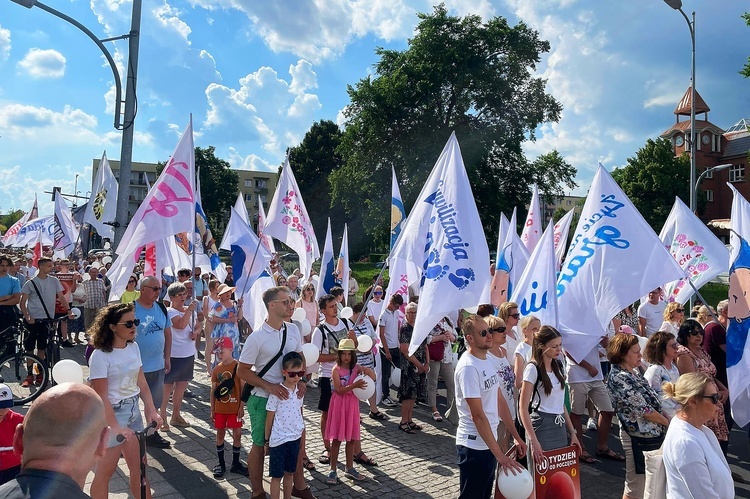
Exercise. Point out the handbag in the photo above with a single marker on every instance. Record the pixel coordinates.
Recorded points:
(656, 475)
(642, 445)
(248, 388)
(437, 351)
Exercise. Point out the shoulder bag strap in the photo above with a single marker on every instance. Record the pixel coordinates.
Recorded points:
(44, 306)
(276, 357)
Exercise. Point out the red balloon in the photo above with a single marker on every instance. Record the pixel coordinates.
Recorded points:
(560, 486)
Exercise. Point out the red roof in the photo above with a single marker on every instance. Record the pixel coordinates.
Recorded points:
(684, 126)
(683, 108)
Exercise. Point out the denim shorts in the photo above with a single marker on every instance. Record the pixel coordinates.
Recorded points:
(128, 415)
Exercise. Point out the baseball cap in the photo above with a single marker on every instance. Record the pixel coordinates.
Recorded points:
(223, 342)
(6, 397)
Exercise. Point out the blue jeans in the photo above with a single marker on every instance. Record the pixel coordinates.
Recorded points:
(476, 473)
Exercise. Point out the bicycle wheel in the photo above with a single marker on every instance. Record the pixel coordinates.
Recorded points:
(16, 369)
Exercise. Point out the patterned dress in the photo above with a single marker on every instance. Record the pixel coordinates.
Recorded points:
(703, 364)
(413, 384)
(230, 329)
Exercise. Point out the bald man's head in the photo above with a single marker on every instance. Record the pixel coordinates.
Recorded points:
(66, 420)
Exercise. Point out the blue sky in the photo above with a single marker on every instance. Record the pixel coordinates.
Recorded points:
(256, 74)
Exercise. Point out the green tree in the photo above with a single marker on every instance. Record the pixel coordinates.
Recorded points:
(746, 70)
(219, 188)
(9, 219)
(457, 74)
(653, 178)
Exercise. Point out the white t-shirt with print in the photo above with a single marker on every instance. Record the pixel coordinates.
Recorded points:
(654, 315)
(120, 367)
(262, 345)
(475, 379)
(288, 424)
(333, 334)
(507, 381)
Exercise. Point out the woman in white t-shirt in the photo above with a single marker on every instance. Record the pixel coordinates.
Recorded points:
(661, 353)
(544, 390)
(530, 324)
(693, 460)
(116, 374)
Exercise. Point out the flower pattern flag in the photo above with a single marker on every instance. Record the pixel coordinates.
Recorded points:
(700, 253)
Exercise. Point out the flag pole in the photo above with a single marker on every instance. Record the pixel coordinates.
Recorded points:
(710, 309)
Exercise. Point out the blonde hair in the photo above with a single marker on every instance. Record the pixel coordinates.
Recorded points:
(704, 315)
(669, 310)
(527, 320)
(688, 386)
(493, 321)
(503, 310)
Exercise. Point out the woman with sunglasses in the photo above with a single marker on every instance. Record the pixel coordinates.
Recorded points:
(130, 294)
(661, 352)
(674, 314)
(116, 373)
(693, 459)
(692, 358)
(310, 306)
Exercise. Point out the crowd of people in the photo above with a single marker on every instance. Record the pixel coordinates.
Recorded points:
(512, 388)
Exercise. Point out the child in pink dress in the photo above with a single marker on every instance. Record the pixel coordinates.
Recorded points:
(343, 413)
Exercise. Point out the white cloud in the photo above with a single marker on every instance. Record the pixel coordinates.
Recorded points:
(39, 63)
(169, 19)
(4, 44)
(250, 162)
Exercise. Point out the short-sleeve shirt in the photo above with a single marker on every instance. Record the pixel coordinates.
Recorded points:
(475, 379)
(182, 345)
(8, 458)
(329, 345)
(389, 320)
(48, 287)
(96, 293)
(554, 403)
(262, 345)
(507, 381)
(715, 335)
(288, 424)
(654, 315)
(633, 398)
(120, 367)
(230, 403)
(9, 285)
(150, 336)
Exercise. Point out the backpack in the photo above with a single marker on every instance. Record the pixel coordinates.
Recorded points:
(324, 332)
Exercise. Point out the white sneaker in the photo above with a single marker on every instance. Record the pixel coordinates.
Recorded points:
(591, 425)
(388, 402)
(312, 383)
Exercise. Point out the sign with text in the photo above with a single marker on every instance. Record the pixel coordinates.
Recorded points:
(557, 477)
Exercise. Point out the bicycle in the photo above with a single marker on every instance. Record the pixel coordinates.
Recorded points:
(52, 352)
(16, 365)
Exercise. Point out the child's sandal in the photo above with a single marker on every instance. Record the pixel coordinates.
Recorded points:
(332, 478)
(406, 428)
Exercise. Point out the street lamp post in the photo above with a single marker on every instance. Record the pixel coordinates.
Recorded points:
(717, 168)
(677, 5)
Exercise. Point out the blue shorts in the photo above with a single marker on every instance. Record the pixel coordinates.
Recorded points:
(283, 458)
(128, 415)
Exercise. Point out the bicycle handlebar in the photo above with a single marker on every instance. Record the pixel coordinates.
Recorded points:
(145, 432)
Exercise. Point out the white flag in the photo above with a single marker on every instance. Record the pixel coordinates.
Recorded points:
(615, 257)
(253, 307)
(265, 239)
(241, 208)
(102, 205)
(342, 266)
(738, 348)
(532, 228)
(10, 236)
(515, 257)
(289, 222)
(327, 266)
(444, 232)
(536, 292)
(695, 248)
(66, 232)
(28, 234)
(562, 227)
(168, 209)
(249, 257)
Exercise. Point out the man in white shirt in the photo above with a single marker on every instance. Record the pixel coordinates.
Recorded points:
(389, 344)
(651, 314)
(477, 392)
(261, 347)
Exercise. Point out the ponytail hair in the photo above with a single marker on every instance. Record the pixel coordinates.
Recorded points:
(541, 338)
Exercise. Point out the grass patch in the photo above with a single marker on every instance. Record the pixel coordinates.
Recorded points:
(364, 273)
(714, 293)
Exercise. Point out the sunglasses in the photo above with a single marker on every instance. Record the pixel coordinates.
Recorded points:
(155, 288)
(378, 293)
(515, 316)
(679, 310)
(131, 282)
(696, 332)
(484, 332)
(132, 323)
(295, 374)
(713, 397)
(288, 302)
(500, 329)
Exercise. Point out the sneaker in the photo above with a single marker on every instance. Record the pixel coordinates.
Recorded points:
(66, 344)
(312, 383)
(591, 425)
(388, 402)
(157, 441)
(239, 468)
(188, 394)
(28, 381)
(219, 471)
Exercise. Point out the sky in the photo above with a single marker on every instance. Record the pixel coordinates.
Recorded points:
(256, 74)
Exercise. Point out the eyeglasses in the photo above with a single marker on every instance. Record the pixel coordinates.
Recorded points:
(515, 316)
(500, 329)
(132, 323)
(288, 302)
(679, 310)
(155, 288)
(714, 397)
(295, 374)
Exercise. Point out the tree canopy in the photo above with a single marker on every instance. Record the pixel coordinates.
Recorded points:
(653, 178)
(457, 74)
(746, 70)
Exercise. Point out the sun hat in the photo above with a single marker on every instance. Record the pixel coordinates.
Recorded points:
(346, 344)
(223, 288)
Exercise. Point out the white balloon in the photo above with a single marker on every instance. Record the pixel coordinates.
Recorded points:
(106, 260)
(396, 376)
(364, 343)
(365, 393)
(306, 327)
(472, 310)
(311, 353)
(29, 255)
(347, 312)
(299, 314)
(76, 312)
(67, 371)
(517, 486)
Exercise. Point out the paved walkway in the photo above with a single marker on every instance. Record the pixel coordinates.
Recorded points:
(410, 466)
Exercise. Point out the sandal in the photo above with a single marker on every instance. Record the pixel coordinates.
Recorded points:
(307, 464)
(360, 458)
(406, 428)
(164, 426)
(332, 478)
(179, 423)
(585, 458)
(324, 458)
(354, 474)
(609, 454)
(436, 416)
(414, 426)
(378, 415)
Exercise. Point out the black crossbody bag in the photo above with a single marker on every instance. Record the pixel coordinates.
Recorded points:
(248, 388)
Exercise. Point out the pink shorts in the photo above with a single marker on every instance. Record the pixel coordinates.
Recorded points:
(222, 421)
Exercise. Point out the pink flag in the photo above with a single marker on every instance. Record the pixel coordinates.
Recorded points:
(532, 229)
(289, 222)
